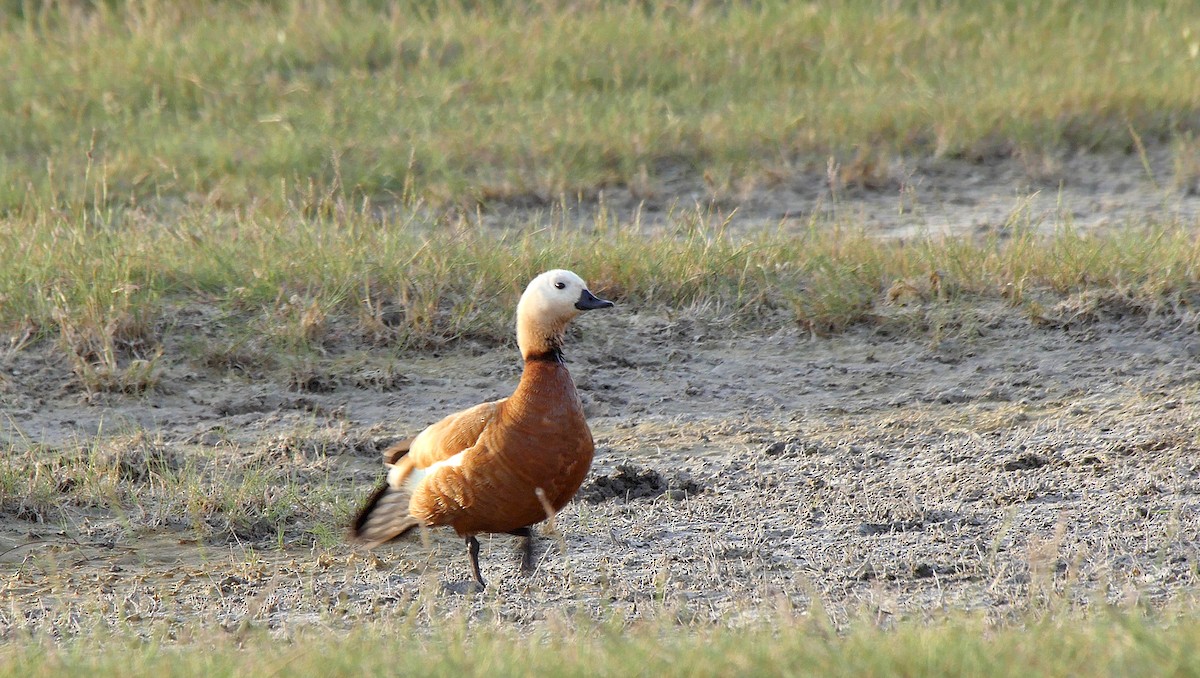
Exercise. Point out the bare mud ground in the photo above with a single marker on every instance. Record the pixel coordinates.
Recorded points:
(948, 457)
(908, 197)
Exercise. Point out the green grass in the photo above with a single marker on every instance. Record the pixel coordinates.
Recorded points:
(114, 296)
(1109, 644)
(283, 169)
(237, 104)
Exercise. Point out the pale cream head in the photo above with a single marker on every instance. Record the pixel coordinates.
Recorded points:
(549, 303)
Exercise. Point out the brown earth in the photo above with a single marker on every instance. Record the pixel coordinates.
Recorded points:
(945, 458)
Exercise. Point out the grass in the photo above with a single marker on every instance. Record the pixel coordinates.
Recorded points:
(116, 297)
(284, 488)
(1108, 644)
(251, 104)
(229, 182)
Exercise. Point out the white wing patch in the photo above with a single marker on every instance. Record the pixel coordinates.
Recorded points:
(418, 474)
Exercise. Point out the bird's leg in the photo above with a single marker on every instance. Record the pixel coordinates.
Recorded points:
(473, 554)
(526, 536)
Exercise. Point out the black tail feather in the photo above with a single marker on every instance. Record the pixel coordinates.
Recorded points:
(383, 517)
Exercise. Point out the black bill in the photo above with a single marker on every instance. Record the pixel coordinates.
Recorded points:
(588, 301)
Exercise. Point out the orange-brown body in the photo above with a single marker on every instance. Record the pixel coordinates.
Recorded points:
(537, 438)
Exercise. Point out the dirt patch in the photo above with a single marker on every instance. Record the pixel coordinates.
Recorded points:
(629, 482)
(914, 196)
(1025, 462)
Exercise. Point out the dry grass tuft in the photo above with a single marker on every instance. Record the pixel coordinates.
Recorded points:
(280, 489)
(113, 347)
(1186, 151)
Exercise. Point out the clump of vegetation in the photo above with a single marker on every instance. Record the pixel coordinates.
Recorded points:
(111, 348)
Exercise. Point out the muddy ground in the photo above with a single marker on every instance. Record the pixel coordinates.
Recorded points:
(945, 458)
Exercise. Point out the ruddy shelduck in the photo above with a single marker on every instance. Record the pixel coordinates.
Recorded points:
(502, 466)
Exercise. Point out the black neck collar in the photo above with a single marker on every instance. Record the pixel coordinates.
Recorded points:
(553, 354)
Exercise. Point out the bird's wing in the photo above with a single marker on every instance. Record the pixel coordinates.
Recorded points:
(385, 516)
(397, 450)
(451, 435)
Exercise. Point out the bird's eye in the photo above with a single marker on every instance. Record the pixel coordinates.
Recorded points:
(560, 285)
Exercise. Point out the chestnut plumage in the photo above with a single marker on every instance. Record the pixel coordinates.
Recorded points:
(496, 466)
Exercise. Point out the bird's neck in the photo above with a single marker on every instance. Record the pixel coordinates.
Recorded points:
(539, 341)
(550, 353)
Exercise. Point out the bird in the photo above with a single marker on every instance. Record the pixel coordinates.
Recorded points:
(502, 466)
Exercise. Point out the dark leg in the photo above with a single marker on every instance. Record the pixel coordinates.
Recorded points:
(473, 554)
(526, 536)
